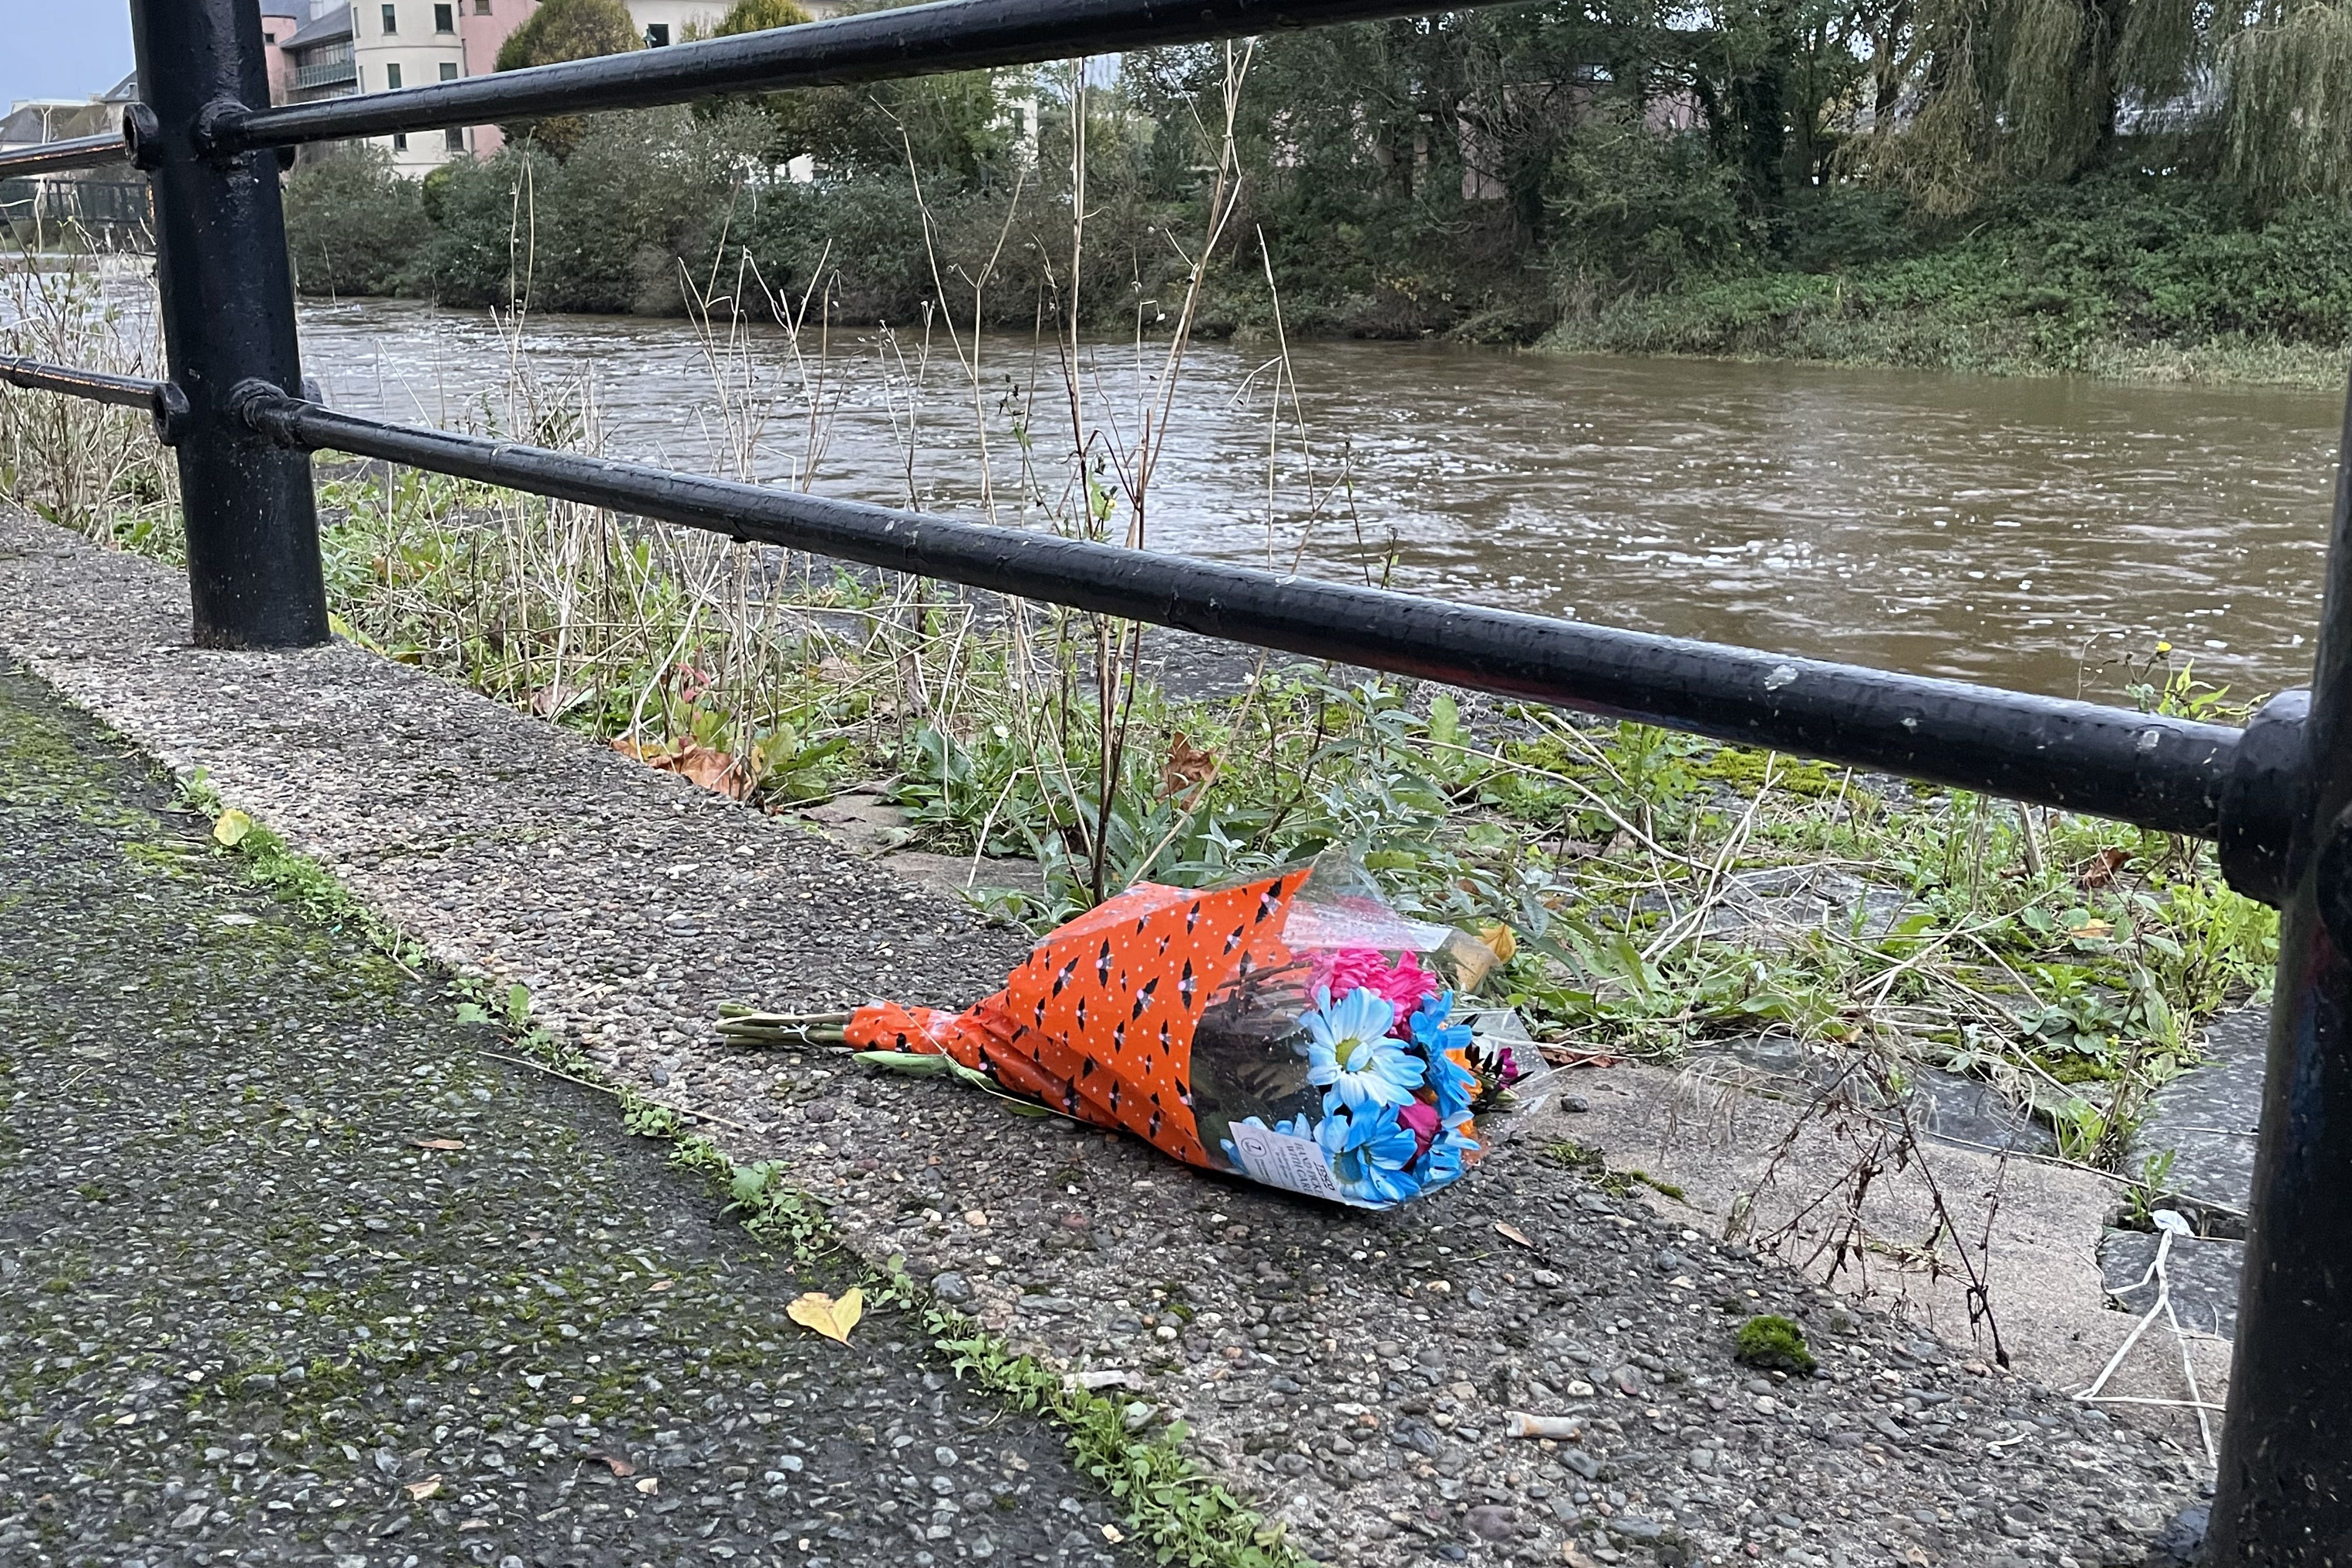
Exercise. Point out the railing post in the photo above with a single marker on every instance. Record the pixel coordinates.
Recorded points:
(227, 290)
(2284, 1498)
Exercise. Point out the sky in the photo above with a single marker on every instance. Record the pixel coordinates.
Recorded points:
(70, 50)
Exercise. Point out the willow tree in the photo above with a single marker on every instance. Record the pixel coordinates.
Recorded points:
(1977, 94)
(2285, 113)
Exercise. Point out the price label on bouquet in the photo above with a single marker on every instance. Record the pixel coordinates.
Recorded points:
(1278, 1160)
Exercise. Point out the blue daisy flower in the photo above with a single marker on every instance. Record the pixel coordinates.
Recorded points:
(1432, 1033)
(1351, 1057)
(1444, 1159)
(1368, 1151)
(1455, 1085)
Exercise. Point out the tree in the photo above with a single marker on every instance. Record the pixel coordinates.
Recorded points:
(563, 30)
(949, 125)
(2052, 89)
(759, 16)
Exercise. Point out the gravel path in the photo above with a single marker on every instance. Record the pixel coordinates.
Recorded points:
(1352, 1373)
(292, 1271)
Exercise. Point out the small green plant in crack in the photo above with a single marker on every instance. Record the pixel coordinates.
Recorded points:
(2146, 1195)
(295, 877)
(1589, 1159)
(1177, 1515)
(1772, 1343)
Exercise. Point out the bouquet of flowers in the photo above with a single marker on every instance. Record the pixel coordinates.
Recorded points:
(1292, 1029)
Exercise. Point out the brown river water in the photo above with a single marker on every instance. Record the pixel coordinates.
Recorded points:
(2026, 532)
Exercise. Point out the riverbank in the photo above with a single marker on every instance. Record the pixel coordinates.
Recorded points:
(2160, 280)
(1759, 321)
(2117, 274)
(1366, 1405)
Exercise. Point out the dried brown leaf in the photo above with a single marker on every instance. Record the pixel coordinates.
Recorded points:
(1188, 768)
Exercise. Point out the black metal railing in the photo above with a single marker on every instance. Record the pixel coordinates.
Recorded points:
(2276, 796)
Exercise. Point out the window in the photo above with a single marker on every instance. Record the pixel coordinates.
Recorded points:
(454, 138)
(657, 35)
(400, 140)
(444, 18)
(481, 7)
(268, 37)
(391, 19)
(448, 71)
(391, 78)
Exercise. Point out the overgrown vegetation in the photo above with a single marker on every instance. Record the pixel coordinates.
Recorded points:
(2039, 186)
(1662, 892)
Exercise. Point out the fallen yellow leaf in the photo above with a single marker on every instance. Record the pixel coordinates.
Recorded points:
(1503, 941)
(419, 1491)
(1513, 1233)
(231, 829)
(2090, 928)
(821, 1314)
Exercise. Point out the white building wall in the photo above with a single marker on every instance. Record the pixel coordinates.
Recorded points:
(677, 15)
(416, 52)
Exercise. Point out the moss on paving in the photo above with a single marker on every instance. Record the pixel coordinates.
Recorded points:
(293, 1269)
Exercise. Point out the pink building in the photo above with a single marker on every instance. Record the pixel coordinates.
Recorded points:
(279, 23)
(482, 26)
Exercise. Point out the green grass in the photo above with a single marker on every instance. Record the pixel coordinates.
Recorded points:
(2134, 279)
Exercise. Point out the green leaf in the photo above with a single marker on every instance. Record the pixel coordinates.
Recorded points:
(907, 1062)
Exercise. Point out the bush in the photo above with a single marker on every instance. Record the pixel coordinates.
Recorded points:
(1634, 209)
(612, 228)
(2046, 279)
(353, 225)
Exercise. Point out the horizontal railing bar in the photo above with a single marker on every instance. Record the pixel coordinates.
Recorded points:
(2160, 773)
(873, 46)
(34, 376)
(60, 157)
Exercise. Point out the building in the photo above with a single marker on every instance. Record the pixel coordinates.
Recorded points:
(321, 48)
(281, 20)
(108, 202)
(410, 43)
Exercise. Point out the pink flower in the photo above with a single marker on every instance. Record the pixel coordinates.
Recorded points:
(1422, 1121)
(1402, 985)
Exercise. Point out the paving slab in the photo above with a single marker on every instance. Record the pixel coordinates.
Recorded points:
(295, 1269)
(1354, 1375)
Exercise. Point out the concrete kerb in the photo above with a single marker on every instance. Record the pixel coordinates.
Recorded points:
(1352, 1373)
